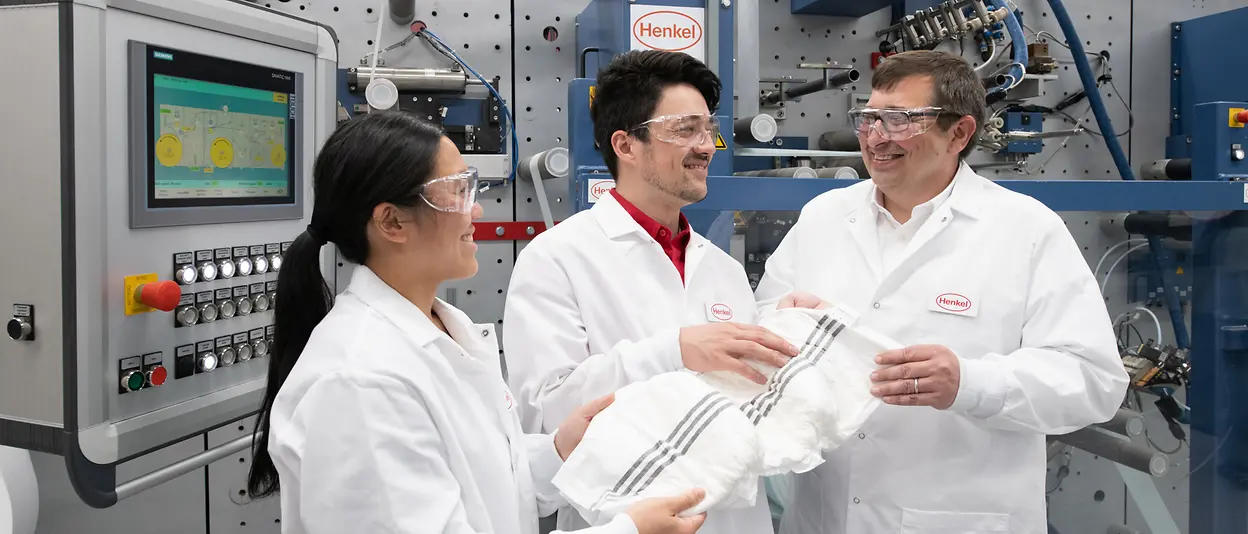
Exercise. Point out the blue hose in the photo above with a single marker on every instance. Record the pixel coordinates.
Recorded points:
(1161, 258)
(1020, 43)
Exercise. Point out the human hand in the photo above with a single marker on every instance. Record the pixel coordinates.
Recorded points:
(573, 428)
(662, 515)
(921, 375)
(799, 299)
(721, 346)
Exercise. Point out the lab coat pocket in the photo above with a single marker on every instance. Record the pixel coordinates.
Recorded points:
(924, 522)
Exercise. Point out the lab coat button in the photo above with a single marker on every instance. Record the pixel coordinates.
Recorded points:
(856, 501)
(876, 305)
(851, 219)
(862, 436)
(485, 333)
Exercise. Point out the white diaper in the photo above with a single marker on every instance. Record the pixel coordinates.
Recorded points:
(660, 438)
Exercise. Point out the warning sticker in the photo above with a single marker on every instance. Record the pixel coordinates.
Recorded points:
(1234, 120)
(592, 92)
(719, 142)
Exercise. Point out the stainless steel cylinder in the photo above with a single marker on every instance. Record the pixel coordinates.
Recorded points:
(402, 11)
(760, 128)
(430, 80)
(788, 172)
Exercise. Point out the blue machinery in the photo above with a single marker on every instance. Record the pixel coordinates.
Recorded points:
(1207, 95)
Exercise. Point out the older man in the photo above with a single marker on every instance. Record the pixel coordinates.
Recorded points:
(1007, 336)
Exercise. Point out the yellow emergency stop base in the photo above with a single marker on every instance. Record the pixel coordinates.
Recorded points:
(132, 283)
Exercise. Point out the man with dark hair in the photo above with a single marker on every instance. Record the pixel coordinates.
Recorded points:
(1007, 336)
(626, 290)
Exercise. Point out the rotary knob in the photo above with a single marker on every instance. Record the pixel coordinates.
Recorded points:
(226, 267)
(20, 329)
(186, 275)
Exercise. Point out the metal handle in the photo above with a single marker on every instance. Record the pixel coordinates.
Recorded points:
(96, 484)
(165, 474)
(585, 52)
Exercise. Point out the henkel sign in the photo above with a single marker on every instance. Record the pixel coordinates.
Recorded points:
(599, 187)
(668, 28)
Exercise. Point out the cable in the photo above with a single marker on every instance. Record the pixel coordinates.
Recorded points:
(1160, 257)
(1105, 256)
(1156, 321)
(1112, 266)
(1018, 38)
(515, 143)
(381, 20)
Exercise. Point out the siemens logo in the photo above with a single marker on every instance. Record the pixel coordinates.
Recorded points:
(163, 55)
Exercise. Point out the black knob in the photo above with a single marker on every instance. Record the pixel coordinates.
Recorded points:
(19, 329)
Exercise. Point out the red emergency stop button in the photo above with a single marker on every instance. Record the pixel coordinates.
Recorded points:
(1242, 117)
(163, 295)
(157, 375)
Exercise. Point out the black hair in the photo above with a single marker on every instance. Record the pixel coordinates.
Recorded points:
(629, 88)
(375, 158)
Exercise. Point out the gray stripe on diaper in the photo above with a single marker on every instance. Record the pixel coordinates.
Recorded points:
(802, 358)
(672, 458)
(820, 340)
(823, 349)
(694, 413)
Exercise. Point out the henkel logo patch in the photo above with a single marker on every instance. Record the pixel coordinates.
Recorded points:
(507, 397)
(598, 187)
(718, 312)
(670, 29)
(953, 302)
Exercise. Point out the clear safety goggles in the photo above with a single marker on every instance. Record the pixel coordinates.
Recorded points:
(456, 193)
(895, 124)
(690, 130)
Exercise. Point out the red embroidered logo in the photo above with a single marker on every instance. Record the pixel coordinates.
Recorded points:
(721, 312)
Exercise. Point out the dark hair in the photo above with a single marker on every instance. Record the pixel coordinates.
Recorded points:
(958, 89)
(630, 87)
(375, 158)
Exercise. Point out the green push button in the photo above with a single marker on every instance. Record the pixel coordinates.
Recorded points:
(134, 381)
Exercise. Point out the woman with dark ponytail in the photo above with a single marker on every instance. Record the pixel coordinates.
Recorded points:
(386, 409)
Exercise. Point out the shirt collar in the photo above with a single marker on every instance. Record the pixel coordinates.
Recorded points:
(651, 226)
(922, 210)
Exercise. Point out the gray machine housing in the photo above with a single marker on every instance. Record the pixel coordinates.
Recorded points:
(66, 196)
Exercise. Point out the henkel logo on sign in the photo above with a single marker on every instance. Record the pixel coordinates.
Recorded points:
(599, 187)
(953, 302)
(721, 312)
(671, 29)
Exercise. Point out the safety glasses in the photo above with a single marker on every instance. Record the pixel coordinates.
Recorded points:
(895, 124)
(689, 130)
(455, 193)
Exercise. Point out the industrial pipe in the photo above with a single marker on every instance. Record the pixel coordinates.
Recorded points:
(746, 76)
(407, 79)
(1168, 169)
(856, 164)
(402, 11)
(548, 164)
(760, 128)
(843, 77)
(1160, 257)
(1020, 43)
(839, 140)
(842, 173)
(1116, 448)
(1174, 226)
(787, 172)
(995, 81)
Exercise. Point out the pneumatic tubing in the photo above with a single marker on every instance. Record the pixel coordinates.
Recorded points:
(1020, 43)
(1160, 259)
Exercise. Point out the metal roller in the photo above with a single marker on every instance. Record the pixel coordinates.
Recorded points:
(1125, 422)
(843, 77)
(1116, 448)
(1168, 169)
(787, 172)
(842, 173)
(842, 140)
(423, 80)
(402, 11)
(760, 128)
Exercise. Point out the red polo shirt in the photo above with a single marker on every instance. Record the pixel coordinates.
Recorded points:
(673, 245)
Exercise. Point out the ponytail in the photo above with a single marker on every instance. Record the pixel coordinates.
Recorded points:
(305, 301)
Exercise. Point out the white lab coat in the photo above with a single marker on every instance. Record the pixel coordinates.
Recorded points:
(386, 424)
(594, 304)
(1032, 335)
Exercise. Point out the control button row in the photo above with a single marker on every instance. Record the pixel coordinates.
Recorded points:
(142, 372)
(225, 303)
(227, 262)
(224, 351)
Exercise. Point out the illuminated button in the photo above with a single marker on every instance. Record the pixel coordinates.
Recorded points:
(186, 275)
(1237, 154)
(187, 316)
(227, 356)
(226, 267)
(157, 376)
(244, 352)
(275, 262)
(244, 305)
(262, 264)
(261, 347)
(208, 312)
(227, 309)
(207, 362)
(208, 271)
(244, 266)
(262, 302)
(163, 295)
(132, 381)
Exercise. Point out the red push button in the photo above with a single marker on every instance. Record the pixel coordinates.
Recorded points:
(157, 375)
(163, 295)
(1242, 117)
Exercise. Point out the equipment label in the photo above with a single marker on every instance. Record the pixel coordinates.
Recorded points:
(202, 297)
(273, 248)
(223, 342)
(256, 334)
(133, 362)
(669, 28)
(204, 346)
(240, 291)
(223, 293)
(286, 245)
(257, 289)
(240, 252)
(270, 330)
(185, 350)
(272, 286)
(257, 250)
(222, 253)
(203, 255)
(719, 142)
(184, 258)
(155, 358)
(598, 187)
(186, 300)
(240, 338)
